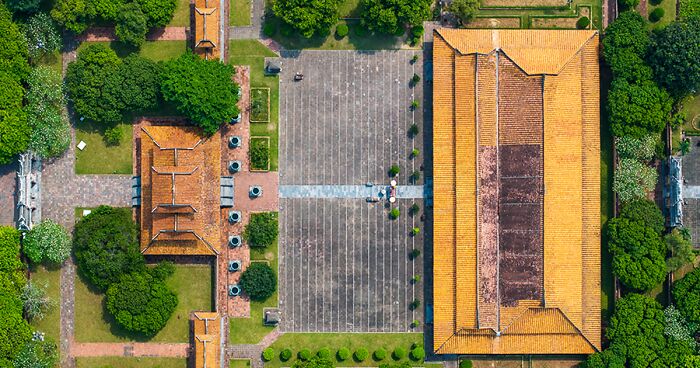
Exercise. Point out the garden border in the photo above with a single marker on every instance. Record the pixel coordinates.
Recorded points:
(268, 105)
(518, 17)
(250, 146)
(577, 15)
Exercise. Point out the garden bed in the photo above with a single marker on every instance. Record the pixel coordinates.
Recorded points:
(495, 22)
(560, 22)
(524, 3)
(259, 105)
(259, 153)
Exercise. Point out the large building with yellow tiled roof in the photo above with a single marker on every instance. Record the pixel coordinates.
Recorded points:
(516, 192)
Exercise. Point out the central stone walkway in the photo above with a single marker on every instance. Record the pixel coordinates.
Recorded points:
(349, 191)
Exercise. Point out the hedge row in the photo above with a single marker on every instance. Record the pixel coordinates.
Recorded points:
(416, 353)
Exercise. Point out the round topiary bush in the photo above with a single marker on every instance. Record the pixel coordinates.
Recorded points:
(342, 30)
(657, 14)
(268, 354)
(262, 230)
(465, 364)
(259, 281)
(399, 353)
(324, 353)
(418, 353)
(361, 354)
(285, 355)
(269, 29)
(380, 354)
(394, 213)
(304, 354)
(628, 4)
(583, 23)
(343, 354)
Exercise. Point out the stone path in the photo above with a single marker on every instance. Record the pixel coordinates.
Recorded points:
(166, 350)
(254, 30)
(253, 352)
(348, 191)
(106, 34)
(8, 182)
(67, 313)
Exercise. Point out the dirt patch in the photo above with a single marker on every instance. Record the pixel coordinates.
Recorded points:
(522, 3)
(512, 22)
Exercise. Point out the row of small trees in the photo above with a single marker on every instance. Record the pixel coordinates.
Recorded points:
(416, 353)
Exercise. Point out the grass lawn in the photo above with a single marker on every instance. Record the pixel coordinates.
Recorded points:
(239, 363)
(669, 8)
(53, 60)
(51, 278)
(352, 341)
(253, 53)
(98, 157)
(193, 285)
(691, 108)
(607, 281)
(251, 330)
(240, 13)
(123, 362)
(181, 18)
(154, 50)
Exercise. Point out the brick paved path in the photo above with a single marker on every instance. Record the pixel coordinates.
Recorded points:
(166, 350)
(105, 34)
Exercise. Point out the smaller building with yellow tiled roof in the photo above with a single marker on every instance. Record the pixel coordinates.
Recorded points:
(516, 192)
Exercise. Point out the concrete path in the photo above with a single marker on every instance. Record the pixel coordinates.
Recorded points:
(691, 191)
(253, 352)
(165, 350)
(106, 34)
(348, 191)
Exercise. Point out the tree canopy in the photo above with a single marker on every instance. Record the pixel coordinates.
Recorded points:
(675, 56)
(47, 242)
(202, 90)
(159, 12)
(37, 354)
(638, 254)
(638, 109)
(136, 84)
(258, 281)
(633, 180)
(141, 303)
(42, 35)
(14, 134)
(262, 229)
(645, 212)
(14, 330)
(106, 246)
(13, 47)
(680, 249)
(309, 17)
(627, 31)
(637, 329)
(686, 294)
(50, 128)
(131, 27)
(23, 6)
(465, 10)
(391, 16)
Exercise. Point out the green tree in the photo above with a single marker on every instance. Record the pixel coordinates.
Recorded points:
(140, 303)
(14, 134)
(315, 362)
(628, 31)
(675, 56)
(9, 250)
(159, 12)
(637, 330)
(465, 10)
(136, 84)
(202, 90)
(645, 212)
(47, 242)
(37, 354)
(677, 328)
(15, 332)
(259, 281)
(12, 92)
(131, 25)
(106, 246)
(633, 180)
(13, 46)
(43, 37)
(680, 249)
(641, 149)
(45, 102)
(103, 11)
(85, 79)
(637, 109)
(309, 17)
(686, 294)
(71, 14)
(23, 6)
(35, 301)
(629, 4)
(638, 254)
(262, 229)
(391, 16)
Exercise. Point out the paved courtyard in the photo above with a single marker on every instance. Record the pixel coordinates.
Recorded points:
(691, 184)
(344, 265)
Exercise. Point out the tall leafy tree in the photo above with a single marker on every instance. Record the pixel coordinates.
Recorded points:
(645, 212)
(686, 294)
(391, 16)
(23, 6)
(136, 83)
(202, 90)
(637, 109)
(42, 35)
(680, 249)
(13, 46)
(675, 56)
(638, 254)
(159, 12)
(309, 17)
(131, 25)
(464, 9)
(625, 46)
(47, 242)
(71, 14)
(14, 134)
(45, 102)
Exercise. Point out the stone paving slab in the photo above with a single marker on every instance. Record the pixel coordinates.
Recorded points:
(8, 184)
(349, 191)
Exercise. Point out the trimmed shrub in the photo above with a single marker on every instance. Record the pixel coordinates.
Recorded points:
(394, 213)
(656, 2)
(324, 353)
(342, 30)
(259, 281)
(583, 23)
(262, 230)
(259, 154)
(415, 252)
(465, 364)
(628, 4)
(47, 242)
(415, 304)
(394, 170)
(361, 354)
(113, 136)
(399, 353)
(415, 208)
(304, 354)
(268, 354)
(418, 353)
(379, 354)
(343, 354)
(657, 14)
(415, 152)
(285, 355)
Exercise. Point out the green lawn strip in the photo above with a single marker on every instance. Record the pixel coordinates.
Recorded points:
(98, 157)
(154, 50)
(132, 362)
(193, 285)
(606, 201)
(691, 108)
(51, 278)
(240, 13)
(352, 341)
(433, 365)
(239, 363)
(669, 7)
(251, 330)
(253, 53)
(181, 18)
